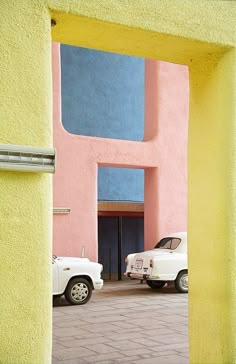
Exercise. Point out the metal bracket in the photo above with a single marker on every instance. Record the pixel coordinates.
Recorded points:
(27, 159)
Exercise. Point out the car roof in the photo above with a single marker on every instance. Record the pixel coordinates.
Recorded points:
(181, 235)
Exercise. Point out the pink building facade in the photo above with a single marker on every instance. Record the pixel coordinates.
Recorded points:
(162, 154)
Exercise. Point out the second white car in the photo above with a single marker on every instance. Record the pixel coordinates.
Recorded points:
(167, 262)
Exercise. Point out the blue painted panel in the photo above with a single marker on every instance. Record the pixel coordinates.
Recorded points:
(133, 240)
(108, 243)
(120, 184)
(133, 237)
(102, 93)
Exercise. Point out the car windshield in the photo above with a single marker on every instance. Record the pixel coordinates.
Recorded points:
(168, 243)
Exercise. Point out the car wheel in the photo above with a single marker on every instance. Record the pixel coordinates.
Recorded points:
(156, 284)
(181, 282)
(78, 291)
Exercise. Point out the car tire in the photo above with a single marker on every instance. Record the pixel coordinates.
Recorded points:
(78, 291)
(156, 284)
(181, 282)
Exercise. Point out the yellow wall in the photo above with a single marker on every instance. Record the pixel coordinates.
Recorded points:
(199, 33)
(158, 29)
(211, 210)
(25, 198)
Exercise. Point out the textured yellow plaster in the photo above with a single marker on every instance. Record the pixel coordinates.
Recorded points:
(198, 33)
(25, 198)
(174, 31)
(199, 20)
(211, 210)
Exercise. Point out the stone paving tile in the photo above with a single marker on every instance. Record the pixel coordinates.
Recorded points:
(100, 358)
(183, 351)
(165, 313)
(70, 361)
(163, 352)
(127, 359)
(147, 342)
(111, 361)
(98, 328)
(153, 307)
(173, 318)
(145, 356)
(170, 339)
(127, 305)
(69, 331)
(124, 336)
(109, 312)
(123, 345)
(123, 325)
(130, 319)
(102, 348)
(65, 338)
(186, 355)
(134, 329)
(144, 322)
(57, 346)
(61, 319)
(101, 319)
(91, 335)
(159, 332)
(181, 328)
(68, 323)
(57, 314)
(72, 353)
(143, 313)
(175, 346)
(169, 359)
(84, 342)
(99, 308)
(139, 351)
(184, 333)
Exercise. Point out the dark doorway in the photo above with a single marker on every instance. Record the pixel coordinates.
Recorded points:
(118, 236)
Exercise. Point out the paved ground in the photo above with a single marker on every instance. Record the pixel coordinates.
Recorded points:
(125, 322)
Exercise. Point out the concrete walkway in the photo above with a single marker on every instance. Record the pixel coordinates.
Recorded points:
(125, 322)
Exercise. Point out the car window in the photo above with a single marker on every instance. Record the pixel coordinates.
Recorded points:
(175, 242)
(168, 243)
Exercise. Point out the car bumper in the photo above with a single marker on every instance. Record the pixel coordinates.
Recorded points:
(137, 275)
(159, 277)
(98, 284)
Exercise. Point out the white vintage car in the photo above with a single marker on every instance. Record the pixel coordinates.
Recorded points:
(75, 278)
(165, 263)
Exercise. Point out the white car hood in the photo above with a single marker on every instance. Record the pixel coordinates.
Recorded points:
(69, 260)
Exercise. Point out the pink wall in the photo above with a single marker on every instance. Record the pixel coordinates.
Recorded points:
(78, 157)
(166, 121)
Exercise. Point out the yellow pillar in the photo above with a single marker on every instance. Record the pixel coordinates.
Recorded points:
(211, 210)
(153, 29)
(25, 198)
